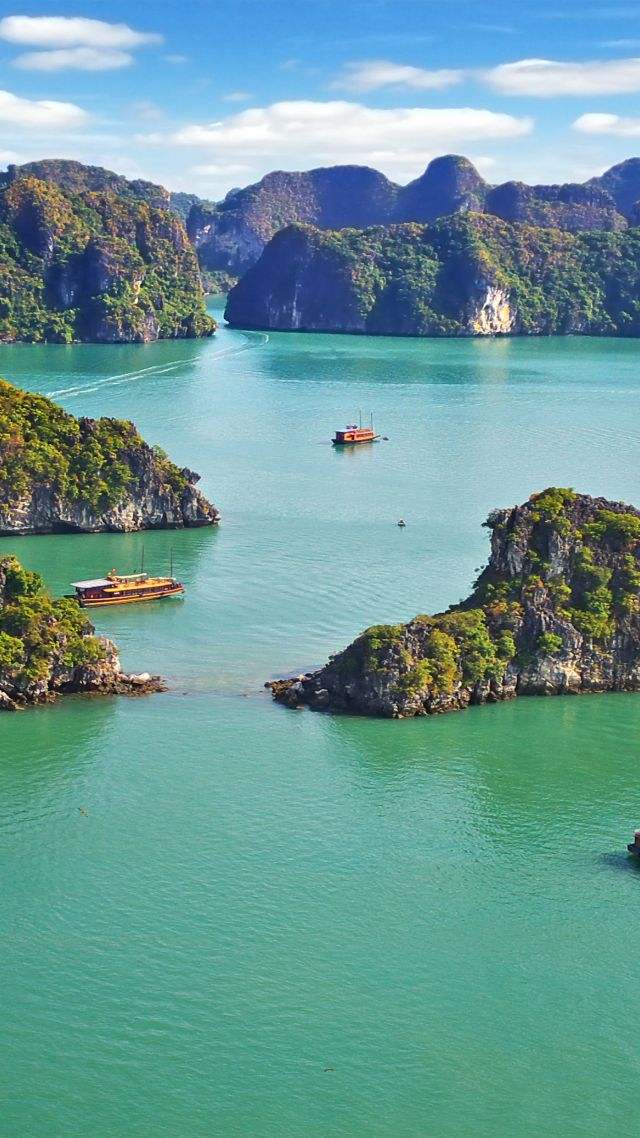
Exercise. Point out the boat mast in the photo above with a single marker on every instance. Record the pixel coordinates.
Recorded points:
(142, 560)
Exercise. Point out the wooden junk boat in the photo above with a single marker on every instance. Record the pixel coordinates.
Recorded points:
(354, 434)
(634, 846)
(123, 589)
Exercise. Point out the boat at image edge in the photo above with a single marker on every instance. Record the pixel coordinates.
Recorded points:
(124, 589)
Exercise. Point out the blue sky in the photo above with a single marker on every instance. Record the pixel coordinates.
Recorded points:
(204, 95)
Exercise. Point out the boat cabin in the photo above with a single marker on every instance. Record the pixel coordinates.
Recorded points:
(353, 434)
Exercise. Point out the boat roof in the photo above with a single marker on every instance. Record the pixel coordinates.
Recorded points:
(91, 584)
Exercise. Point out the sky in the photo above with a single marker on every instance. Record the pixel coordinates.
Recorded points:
(206, 95)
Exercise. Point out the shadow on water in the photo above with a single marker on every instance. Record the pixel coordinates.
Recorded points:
(620, 862)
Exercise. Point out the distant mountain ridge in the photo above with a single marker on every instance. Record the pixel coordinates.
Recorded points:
(229, 236)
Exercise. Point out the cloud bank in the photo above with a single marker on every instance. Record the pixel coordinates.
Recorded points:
(73, 43)
(371, 75)
(546, 78)
(37, 114)
(303, 132)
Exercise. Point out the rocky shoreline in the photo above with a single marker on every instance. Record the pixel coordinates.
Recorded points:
(556, 611)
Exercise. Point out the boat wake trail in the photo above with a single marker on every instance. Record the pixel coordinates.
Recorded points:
(252, 340)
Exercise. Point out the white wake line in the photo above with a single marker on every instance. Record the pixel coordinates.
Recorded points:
(261, 338)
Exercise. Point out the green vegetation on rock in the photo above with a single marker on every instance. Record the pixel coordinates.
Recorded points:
(93, 265)
(37, 634)
(59, 472)
(468, 274)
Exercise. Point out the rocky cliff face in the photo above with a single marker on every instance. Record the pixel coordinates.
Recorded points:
(48, 648)
(450, 184)
(77, 178)
(570, 207)
(556, 611)
(469, 274)
(94, 265)
(59, 474)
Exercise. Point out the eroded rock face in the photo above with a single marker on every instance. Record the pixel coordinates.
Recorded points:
(150, 503)
(556, 611)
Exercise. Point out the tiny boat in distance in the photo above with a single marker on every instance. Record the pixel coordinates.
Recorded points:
(353, 434)
(124, 589)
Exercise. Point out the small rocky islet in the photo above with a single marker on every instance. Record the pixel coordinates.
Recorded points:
(49, 647)
(59, 474)
(556, 611)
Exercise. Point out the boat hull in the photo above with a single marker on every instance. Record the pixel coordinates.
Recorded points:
(94, 602)
(353, 442)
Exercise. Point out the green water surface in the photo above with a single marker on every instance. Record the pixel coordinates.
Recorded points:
(282, 924)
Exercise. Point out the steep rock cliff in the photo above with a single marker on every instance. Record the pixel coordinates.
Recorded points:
(450, 184)
(60, 474)
(556, 611)
(48, 647)
(469, 274)
(94, 266)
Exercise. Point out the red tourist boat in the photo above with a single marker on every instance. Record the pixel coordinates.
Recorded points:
(354, 434)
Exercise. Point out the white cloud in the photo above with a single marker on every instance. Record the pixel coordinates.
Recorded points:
(370, 75)
(608, 124)
(176, 59)
(304, 133)
(544, 78)
(73, 59)
(145, 110)
(35, 114)
(236, 97)
(72, 31)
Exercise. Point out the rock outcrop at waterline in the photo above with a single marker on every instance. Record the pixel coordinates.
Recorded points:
(556, 611)
(465, 275)
(48, 648)
(60, 474)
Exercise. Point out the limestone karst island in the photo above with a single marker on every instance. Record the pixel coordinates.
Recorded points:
(555, 612)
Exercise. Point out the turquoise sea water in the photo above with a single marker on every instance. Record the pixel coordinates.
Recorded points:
(281, 924)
